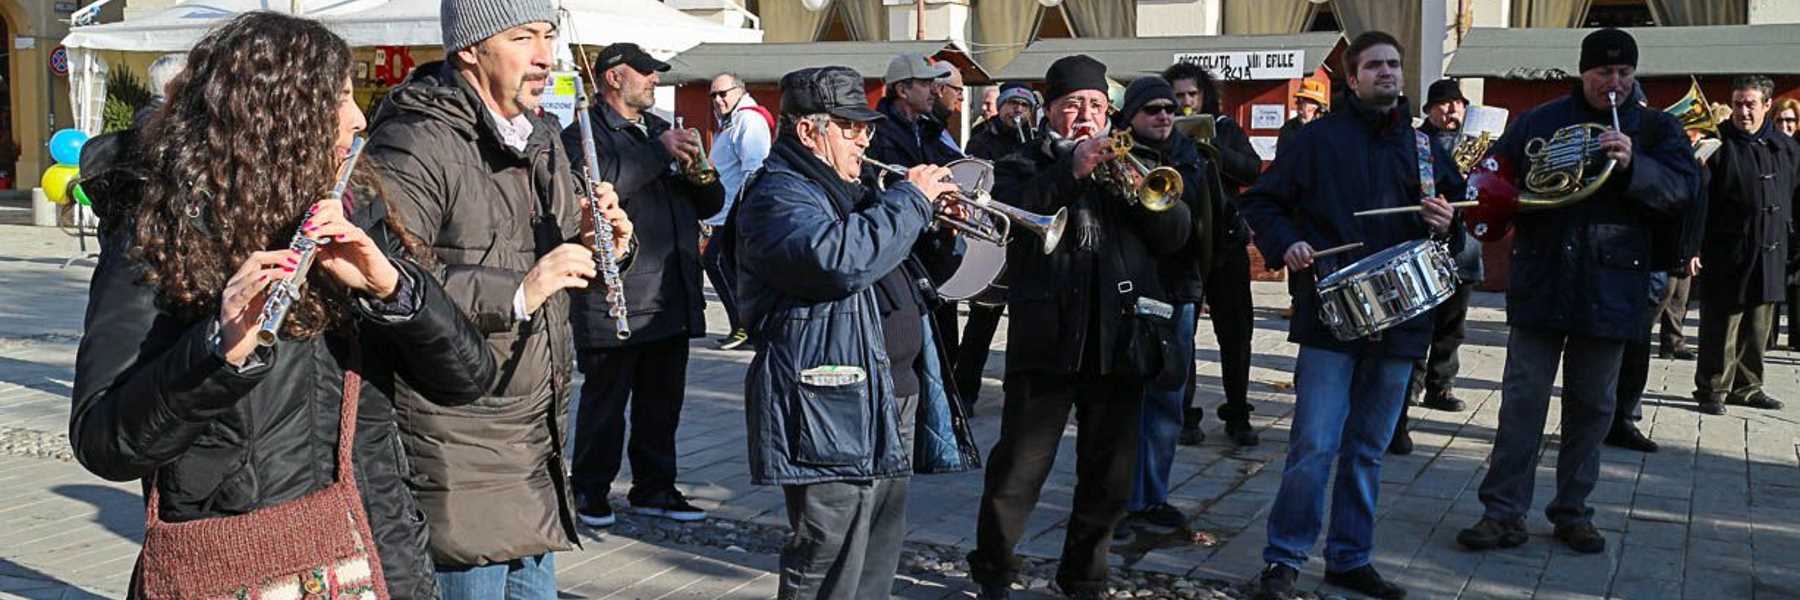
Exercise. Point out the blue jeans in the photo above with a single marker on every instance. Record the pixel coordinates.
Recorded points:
(1345, 413)
(1161, 422)
(529, 578)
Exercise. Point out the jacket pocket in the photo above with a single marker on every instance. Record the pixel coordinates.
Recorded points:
(833, 424)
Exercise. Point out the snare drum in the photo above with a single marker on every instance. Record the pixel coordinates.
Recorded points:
(981, 277)
(1386, 289)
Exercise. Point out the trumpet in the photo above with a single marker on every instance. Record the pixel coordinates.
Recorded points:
(1155, 189)
(603, 230)
(996, 228)
(699, 171)
(284, 292)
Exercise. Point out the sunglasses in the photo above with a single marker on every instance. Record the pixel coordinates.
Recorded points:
(721, 93)
(1787, 120)
(1158, 109)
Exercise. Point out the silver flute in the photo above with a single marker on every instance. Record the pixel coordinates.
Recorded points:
(603, 230)
(283, 293)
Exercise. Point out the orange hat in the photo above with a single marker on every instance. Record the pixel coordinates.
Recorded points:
(1312, 89)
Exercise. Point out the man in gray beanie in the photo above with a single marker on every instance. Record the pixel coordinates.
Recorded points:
(477, 171)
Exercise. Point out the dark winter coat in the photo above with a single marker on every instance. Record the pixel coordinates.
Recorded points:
(995, 139)
(1184, 272)
(155, 400)
(1749, 216)
(910, 143)
(663, 296)
(1353, 159)
(1584, 269)
(808, 268)
(1066, 309)
(490, 475)
(1240, 166)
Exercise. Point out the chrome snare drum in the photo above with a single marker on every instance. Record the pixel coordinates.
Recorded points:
(1386, 289)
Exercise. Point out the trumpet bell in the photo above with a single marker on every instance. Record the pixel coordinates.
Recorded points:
(1692, 111)
(1160, 189)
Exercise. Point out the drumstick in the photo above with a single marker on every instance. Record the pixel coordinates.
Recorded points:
(1336, 250)
(1414, 208)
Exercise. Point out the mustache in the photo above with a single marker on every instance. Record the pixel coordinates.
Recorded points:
(537, 76)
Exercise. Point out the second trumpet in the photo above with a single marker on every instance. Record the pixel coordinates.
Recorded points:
(996, 227)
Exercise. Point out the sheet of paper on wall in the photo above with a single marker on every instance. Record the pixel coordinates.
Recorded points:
(24, 43)
(1264, 145)
(1267, 116)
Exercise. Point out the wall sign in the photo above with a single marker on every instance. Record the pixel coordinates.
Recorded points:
(1267, 116)
(1252, 65)
(59, 61)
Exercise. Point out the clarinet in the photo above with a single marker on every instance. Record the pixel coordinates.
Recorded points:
(283, 293)
(603, 231)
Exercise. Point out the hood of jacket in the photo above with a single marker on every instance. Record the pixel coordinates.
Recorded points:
(437, 92)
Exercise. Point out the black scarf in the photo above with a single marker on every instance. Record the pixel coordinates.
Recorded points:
(847, 195)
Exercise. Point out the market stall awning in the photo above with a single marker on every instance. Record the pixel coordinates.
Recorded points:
(1662, 51)
(766, 63)
(660, 29)
(1130, 58)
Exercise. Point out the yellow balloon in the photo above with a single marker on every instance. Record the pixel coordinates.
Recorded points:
(56, 182)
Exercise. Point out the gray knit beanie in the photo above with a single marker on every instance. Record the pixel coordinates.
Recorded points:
(468, 22)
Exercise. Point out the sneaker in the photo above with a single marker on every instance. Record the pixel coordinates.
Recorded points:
(1276, 582)
(1241, 434)
(1758, 400)
(1627, 436)
(596, 513)
(1582, 537)
(1161, 515)
(1488, 534)
(736, 340)
(1366, 581)
(1446, 402)
(670, 505)
(1191, 435)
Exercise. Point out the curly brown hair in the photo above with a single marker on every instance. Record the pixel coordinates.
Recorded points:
(244, 146)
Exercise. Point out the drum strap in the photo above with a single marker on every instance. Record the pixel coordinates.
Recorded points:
(1427, 174)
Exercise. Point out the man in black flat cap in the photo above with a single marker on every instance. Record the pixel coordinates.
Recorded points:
(846, 397)
(1073, 312)
(1577, 292)
(640, 154)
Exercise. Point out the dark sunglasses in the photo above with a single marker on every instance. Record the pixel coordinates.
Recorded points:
(721, 93)
(1786, 119)
(1159, 109)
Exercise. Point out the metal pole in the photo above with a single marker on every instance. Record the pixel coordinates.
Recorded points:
(919, 16)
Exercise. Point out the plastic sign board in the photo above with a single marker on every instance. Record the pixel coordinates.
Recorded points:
(559, 96)
(59, 61)
(1248, 65)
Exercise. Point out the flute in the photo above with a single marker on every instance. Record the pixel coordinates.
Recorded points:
(603, 230)
(283, 293)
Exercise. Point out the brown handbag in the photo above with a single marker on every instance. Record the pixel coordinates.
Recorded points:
(317, 547)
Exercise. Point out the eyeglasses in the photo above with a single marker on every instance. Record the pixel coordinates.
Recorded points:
(852, 130)
(1158, 109)
(721, 93)
(1787, 120)
(1076, 104)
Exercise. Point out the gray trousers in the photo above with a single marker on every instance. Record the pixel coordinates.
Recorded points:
(1591, 375)
(1732, 344)
(846, 534)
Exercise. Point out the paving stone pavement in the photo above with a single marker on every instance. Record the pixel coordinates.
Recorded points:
(1716, 514)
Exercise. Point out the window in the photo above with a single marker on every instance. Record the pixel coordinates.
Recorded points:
(1619, 13)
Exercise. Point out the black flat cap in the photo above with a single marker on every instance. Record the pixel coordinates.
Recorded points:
(629, 54)
(1444, 90)
(837, 91)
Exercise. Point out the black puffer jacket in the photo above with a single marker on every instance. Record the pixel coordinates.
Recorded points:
(490, 475)
(663, 298)
(153, 398)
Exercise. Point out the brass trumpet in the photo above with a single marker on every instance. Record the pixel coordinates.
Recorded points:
(997, 227)
(1154, 189)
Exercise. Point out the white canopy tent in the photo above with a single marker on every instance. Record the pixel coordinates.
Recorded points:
(660, 29)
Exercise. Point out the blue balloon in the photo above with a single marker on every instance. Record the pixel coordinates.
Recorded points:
(65, 146)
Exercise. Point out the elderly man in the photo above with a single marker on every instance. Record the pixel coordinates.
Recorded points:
(643, 157)
(161, 72)
(1072, 311)
(745, 132)
(1577, 293)
(947, 103)
(990, 103)
(477, 172)
(845, 398)
(1749, 217)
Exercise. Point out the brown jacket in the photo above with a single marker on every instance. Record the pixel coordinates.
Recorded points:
(489, 475)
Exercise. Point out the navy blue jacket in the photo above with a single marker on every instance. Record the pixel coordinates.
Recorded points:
(1348, 160)
(1584, 269)
(806, 272)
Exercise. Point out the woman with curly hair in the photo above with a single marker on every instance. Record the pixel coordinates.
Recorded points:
(171, 386)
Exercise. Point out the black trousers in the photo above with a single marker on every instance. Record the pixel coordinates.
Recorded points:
(1435, 375)
(723, 282)
(972, 353)
(1233, 315)
(652, 378)
(1031, 427)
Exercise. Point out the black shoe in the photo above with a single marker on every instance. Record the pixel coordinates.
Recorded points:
(1241, 434)
(1276, 582)
(1627, 436)
(736, 340)
(1488, 534)
(596, 513)
(1161, 515)
(1582, 537)
(1684, 354)
(1364, 580)
(994, 592)
(669, 505)
(1191, 435)
(1446, 402)
(1401, 444)
(1757, 400)
(1712, 406)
